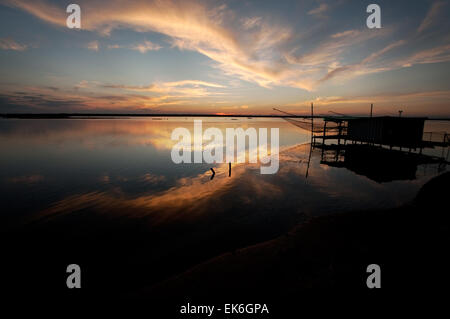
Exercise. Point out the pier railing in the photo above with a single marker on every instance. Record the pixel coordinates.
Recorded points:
(437, 138)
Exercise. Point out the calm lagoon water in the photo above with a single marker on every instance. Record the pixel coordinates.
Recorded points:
(123, 166)
(91, 177)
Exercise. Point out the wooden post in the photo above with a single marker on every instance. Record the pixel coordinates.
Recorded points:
(312, 122)
(324, 134)
(339, 132)
(371, 109)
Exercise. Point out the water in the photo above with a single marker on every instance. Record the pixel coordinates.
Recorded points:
(114, 179)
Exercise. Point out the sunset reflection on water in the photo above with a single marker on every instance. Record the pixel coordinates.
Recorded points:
(108, 189)
(123, 167)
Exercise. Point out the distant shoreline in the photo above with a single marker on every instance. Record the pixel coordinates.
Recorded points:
(112, 115)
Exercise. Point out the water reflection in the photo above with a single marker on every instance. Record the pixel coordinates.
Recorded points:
(378, 163)
(109, 190)
(122, 167)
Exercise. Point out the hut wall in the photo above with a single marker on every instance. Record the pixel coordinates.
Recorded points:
(395, 131)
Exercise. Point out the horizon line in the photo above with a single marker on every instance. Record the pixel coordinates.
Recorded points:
(78, 114)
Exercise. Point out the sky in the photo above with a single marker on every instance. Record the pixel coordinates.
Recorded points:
(225, 57)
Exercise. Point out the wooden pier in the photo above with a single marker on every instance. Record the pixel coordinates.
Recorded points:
(404, 133)
(382, 148)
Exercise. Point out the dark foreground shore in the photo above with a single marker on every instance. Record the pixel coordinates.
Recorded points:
(325, 257)
(330, 254)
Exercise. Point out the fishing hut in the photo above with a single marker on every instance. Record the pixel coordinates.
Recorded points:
(365, 145)
(386, 130)
(382, 148)
(401, 132)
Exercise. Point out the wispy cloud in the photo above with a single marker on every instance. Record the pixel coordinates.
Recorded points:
(320, 10)
(433, 55)
(213, 32)
(94, 95)
(10, 44)
(432, 16)
(257, 48)
(249, 23)
(366, 65)
(346, 34)
(413, 103)
(93, 45)
(82, 84)
(392, 97)
(186, 88)
(330, 49)
(141, 47)
(194, 83)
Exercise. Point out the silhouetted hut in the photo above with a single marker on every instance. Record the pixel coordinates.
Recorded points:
(386, 130)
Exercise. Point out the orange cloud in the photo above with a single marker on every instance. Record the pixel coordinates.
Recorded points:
(320, 10)
(141, 47)
(10, 44)
(413, 103)
(190, 26)
(251, 48)
(186, 88)
(93, 45)
(432, 15)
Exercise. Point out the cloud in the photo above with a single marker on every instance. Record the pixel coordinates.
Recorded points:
(194, 83)
(432, 15)
(41, 9)
(186, 88)
(393, 96)
(190, 25)
(386, 49)
(94, 95)
(329, 50)
(82, 84)
(366, 65)
(370, 64)
(319, 11)
(249, 23)
(141, 47)
(434, 55)
(153, 179)
(10, 44)
(93, 45)
(346, 34)
(146, 46)
(258, 49)
(45, 100)
(235, 107)
(387, 103)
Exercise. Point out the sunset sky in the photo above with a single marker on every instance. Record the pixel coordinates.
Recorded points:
(234, 56)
